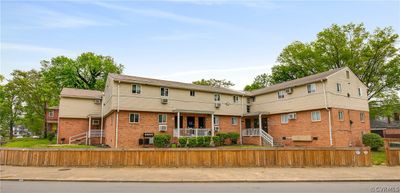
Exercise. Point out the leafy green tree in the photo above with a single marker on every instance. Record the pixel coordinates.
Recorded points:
(10, 107)
(373, 57)
(87, 71)
(214, 83)
(260, 81)
(385, 106)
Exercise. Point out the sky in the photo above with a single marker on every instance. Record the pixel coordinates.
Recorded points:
(180, 40)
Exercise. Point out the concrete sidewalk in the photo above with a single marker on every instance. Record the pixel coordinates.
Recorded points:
(375, 173)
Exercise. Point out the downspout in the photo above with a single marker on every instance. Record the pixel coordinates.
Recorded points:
(240, 122)
(116, 119)
(329, 114)
(101, 117)
(260, 128)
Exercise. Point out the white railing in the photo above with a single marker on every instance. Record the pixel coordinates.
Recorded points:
(267, 138)
(96, 133)
(85, 135)
(192, 132)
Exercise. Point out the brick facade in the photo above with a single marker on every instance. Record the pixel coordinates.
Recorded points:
(70, 127)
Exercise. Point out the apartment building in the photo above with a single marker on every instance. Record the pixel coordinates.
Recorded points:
(326, 109)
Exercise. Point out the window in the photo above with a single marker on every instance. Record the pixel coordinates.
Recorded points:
(192, 93)
(285, 118)
(216, 120)
(316, 116)
(248, 108)
(251, 99)
(359, 92)
(217, 97)
(136, 89)
(235, 99)
(164, 91)
(347, 74)
(247, 123)
(51, 113)
(256, 123)
(341, 115)
(234, 121)
(134, 118)
(281, 94)
(338, 87)
(362, 116)
(162, 119)
(95, 122)
(311, 88)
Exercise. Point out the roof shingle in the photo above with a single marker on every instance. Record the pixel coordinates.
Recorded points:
(81, 93)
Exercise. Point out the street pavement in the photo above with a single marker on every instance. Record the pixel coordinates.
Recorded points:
(118, 187)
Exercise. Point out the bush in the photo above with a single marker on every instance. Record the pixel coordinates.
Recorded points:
(207, 141)
(192, 142)
(373, 140)
(183, 141)
(51, 136)
(200, 142)
(222, 137)
(162, 140)
(234, 137)
(216, 140)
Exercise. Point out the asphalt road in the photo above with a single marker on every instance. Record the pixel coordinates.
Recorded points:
(277, 187)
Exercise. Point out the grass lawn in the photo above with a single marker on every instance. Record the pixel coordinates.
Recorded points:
(238, 146)
(39, 143)
(378, 157)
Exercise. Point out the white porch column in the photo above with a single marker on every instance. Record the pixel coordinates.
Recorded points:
(260, 127)
(89, 132)
(179, 124)
(212, 125)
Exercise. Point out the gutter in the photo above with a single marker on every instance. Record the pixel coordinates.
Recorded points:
(329, 114)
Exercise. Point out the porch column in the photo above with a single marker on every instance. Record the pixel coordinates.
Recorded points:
(260, 128)
(212, 125)
(89, 132)
(179, 124)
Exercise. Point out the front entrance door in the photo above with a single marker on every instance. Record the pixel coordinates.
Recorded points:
(264, 122)
(190, 122)
(202, 122)
(180, 122)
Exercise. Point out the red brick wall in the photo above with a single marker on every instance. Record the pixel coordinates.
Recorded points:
(71, 126)
(55, 117)
(253, 140)
(109, 129)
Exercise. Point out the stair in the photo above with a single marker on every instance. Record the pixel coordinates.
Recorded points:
(267, 138)
(80, 138)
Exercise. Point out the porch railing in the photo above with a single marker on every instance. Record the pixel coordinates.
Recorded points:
(192, 132)
(267, 138)
(251, 132)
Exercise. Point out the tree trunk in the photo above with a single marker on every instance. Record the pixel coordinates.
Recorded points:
(11, 128)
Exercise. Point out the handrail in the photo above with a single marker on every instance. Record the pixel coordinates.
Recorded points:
(191, 132)
(267, 137)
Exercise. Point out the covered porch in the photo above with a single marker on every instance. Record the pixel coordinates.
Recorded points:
(256, 126)
(189, 123)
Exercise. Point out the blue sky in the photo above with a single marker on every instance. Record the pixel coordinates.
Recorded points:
(176, 40)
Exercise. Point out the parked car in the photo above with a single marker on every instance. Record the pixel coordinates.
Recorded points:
(35, 137)
(19, 137)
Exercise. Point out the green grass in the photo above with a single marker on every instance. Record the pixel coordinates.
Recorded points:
(378, 157)
(39, 143)
(238, 146)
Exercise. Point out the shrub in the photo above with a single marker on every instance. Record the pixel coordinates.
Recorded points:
(200, 142)
(222, 137)
(373, 140)
(216, 140)
(192, 142)
(183, 141)
(234, 137)
(207, 141)
(162, 140)
(51, 136)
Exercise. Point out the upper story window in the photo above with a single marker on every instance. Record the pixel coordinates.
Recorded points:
(162, 119)
(217, 97)
(234, 121)
(235, 99)
(248, 108)
(51, 113)
(281, 94)
(164, 91)
(311, 88)
(316, 116)
(348, 74)
(341, 115)
(95, 122)
(284, 118)
(251, 99)
(136, 88)
(134, 118)
(192, 93)
(362, 116)
(338, 87)
(359, 92)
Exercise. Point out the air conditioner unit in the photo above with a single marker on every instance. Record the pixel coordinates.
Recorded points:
(217, 105)
(162, 128)
(292, 116)
(289, 90)
(164, 101)
(216, 128)
(97, 101)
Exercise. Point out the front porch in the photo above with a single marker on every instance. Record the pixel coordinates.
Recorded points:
(195, 123)
(256, 129)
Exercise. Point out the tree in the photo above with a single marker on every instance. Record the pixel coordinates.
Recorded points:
(10, 107)
(214, 83)
(373, 57)
(385, 106)
(260, 81)
(87, 71)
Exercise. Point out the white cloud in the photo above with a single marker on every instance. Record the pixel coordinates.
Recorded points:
(33, 48)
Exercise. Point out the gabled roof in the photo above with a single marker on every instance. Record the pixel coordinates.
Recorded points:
(172, 84)
(296, 82)
(81, 93)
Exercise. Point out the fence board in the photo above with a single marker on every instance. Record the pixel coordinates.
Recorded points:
(268, 157)
(392, 153)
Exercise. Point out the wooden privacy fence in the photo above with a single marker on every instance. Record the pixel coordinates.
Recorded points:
(271, 157)
(392, 152)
